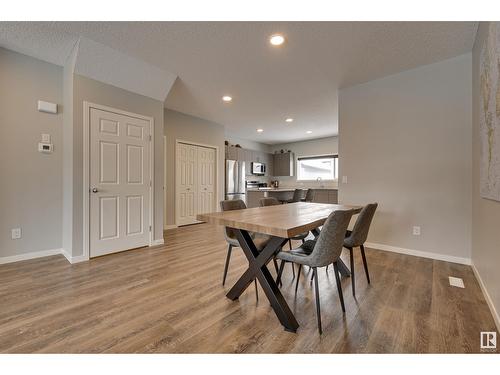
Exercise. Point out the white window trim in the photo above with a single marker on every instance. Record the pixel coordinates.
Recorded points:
(314, 156)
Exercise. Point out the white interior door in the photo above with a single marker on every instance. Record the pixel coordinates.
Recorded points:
(186, 192)
(119, 182)
(206, 180)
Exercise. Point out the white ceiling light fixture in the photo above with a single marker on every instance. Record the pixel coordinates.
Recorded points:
(277, 40)
(289, 119)
(227, 99)
(260, 130)
(309, 132)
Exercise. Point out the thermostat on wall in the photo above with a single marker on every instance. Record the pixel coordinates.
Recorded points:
(47, 107)
(45, 147)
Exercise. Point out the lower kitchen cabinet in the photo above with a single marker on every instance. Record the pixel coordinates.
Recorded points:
(326, 196)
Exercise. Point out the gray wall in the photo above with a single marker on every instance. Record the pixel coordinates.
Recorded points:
(485, 213)
(405, 143)
(179, 126)
(86, 89)
(31, 182)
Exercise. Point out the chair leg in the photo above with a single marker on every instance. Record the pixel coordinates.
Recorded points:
(339, 285)
(303, 241)
(290, 243)
(256, 290)
(226, 266)
(318, 309)
(293, 270)
(364, 263)
(351, 256)
(298, 277)
(282, 266)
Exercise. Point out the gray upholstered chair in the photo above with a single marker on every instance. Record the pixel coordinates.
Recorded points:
(297, 196)
(230, 236)
(326, 250)
(309, 196)
(357, 238)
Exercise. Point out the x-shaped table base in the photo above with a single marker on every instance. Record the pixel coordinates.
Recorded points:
(257, 262)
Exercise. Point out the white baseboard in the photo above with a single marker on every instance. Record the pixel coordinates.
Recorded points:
(158, 242)
(419, 253)
(487, 297)
(72, 259)
(167, 227)
(32, 255)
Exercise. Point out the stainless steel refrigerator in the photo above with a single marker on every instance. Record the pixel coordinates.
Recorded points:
(235, 180)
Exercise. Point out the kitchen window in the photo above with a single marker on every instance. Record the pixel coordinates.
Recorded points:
(317, 167)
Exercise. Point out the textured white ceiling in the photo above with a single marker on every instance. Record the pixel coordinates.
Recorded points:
(92, 59)
(299, 79)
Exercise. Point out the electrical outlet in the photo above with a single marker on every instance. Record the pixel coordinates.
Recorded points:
(16, 233)
(456, 281)
(416, 231)
(344, 179)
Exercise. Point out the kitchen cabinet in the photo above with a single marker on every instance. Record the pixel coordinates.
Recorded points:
(232, 153)
(283, 164)
(250, 156)
(325, 196)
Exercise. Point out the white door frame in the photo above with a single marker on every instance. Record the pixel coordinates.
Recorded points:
(216, 148)
(87, 106)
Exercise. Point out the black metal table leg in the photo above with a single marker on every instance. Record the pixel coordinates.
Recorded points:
(257, 262)
(344, 271)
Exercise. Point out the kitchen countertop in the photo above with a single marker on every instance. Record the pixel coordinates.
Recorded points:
(288, 189)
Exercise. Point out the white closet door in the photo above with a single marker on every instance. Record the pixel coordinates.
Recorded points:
(186, 196)
(206, 180)
(119, 182)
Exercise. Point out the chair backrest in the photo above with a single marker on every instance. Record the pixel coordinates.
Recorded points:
(297, 195)
(268, 201)
(309, 195)
(331, 239)
(360, 230)
(230, 205)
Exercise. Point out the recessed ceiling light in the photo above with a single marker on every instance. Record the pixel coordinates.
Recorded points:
(277, 40)
(309, 131)
(260, 130)
(289, 119)
(226, 98)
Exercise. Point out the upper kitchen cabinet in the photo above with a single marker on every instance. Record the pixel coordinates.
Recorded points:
(231, 153)
(250, 156)
(283, 164)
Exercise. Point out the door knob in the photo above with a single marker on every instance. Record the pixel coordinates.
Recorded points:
(94, 190)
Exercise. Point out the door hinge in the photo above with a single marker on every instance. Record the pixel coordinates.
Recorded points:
(150, 138)
(150, 228)
(150, 183)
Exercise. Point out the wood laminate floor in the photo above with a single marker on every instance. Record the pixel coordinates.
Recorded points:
(169, 299)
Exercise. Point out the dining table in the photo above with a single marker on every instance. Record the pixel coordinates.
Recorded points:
(280, 222)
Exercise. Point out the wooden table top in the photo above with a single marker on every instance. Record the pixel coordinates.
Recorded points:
(284, 220)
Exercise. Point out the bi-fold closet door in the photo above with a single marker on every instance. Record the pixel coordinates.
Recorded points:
(196, 182)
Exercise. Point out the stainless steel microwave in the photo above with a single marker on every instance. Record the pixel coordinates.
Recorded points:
(258, 169)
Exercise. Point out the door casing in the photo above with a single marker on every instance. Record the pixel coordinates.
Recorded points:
(86, 170)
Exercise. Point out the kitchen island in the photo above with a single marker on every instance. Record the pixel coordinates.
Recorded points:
(321, 195)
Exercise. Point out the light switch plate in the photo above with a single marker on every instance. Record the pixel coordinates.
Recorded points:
(45, 138)
(16, 233)
(344, 179)
(456, 281)
(416, 231)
